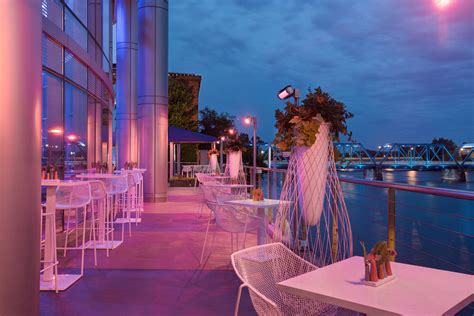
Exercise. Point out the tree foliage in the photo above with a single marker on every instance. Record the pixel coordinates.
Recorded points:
(449, 143)
(298, 125)
(213, 123)
(181, 110)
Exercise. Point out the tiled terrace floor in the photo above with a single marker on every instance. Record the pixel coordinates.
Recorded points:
(157, 270)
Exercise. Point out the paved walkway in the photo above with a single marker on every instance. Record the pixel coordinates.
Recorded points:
(157, 270)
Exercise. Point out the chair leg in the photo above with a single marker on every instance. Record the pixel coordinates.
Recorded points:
(237, 303)
(93, 233)
(67, 231)
(205, 239)
(83, 240)
(105, 205)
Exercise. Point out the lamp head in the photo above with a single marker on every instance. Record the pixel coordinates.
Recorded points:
(286, 92)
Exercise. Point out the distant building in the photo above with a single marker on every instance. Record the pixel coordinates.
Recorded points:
(194, 81)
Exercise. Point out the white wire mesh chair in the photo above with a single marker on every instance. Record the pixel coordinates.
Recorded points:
(203, 179)
(100, 201)
(117, 188)
(315, 225)
(260, 268)
(74, 197)
(133, 199)
(231, 219)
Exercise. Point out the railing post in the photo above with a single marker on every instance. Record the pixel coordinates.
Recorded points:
(269, 184)
(335, 227)
(391, 219)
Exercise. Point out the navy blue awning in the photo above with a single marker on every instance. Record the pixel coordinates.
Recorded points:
(181, 135)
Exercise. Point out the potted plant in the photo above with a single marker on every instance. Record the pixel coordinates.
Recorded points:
(307, 130)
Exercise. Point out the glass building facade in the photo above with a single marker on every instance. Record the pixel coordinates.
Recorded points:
(77, 86)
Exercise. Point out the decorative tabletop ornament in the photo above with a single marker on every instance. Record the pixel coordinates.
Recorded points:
(377, 264)
(257, 194)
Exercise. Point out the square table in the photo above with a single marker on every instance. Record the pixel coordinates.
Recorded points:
(414, 291)
(260, 206)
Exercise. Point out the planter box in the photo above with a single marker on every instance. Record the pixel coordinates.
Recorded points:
(182, 183)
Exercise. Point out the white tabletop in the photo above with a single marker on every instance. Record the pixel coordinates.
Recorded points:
(266, 203)
(99, 176)
(231, 186)
(60, 183)
(415, 291)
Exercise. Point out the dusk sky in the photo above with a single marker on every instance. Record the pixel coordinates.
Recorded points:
(405, 68)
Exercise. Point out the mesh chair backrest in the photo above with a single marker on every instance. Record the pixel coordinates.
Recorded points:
(209, 194)
(73, 195)
(262, 267)
(235, 219)
(117, 184)
(98, 190)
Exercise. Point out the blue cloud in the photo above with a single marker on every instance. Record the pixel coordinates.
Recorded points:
(405, 68)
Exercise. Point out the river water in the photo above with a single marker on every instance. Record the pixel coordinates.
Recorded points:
(431, 231)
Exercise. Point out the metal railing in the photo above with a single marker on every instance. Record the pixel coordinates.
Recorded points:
(429, 226)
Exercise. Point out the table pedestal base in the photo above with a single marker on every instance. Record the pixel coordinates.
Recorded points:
(108, 244)
(64, 282)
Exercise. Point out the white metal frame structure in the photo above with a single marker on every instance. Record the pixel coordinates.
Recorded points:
(315, 224)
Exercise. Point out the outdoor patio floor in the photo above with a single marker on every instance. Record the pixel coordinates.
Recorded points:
(157, 270)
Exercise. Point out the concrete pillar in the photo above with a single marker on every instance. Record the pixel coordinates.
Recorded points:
(110, 141)
(20, 136)
(153, 96)
(178, 159)
(98, 132)
(91, 129)
(127, 46)
(171, 166)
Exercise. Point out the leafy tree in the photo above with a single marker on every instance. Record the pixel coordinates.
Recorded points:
(215, 124)
(297, 127)
(449, 143)
(181, 110)
(182, 113)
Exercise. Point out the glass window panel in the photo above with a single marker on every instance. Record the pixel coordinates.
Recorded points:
(74, 69)
(52, 122)
(52, 54)
(79, 7)
(53, 10)
(75, 130)
(75, 29)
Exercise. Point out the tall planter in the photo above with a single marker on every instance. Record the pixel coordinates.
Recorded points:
(213, 165)
(312, 170)
(235, 160)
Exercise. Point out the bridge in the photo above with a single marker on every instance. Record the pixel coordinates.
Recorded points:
(401, 156)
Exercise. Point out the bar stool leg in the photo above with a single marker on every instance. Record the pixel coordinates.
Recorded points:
(93, 231)
(67, 231)
(83, 240)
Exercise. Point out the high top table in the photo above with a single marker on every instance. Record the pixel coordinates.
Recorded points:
(101, 243)
(414, 291)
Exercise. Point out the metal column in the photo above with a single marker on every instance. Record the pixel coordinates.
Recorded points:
(20, 136)
(153, 96)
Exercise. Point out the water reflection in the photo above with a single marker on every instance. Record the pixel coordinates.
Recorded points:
(431, 231)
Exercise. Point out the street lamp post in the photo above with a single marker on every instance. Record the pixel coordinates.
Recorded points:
(248, 121)
(221, 150)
